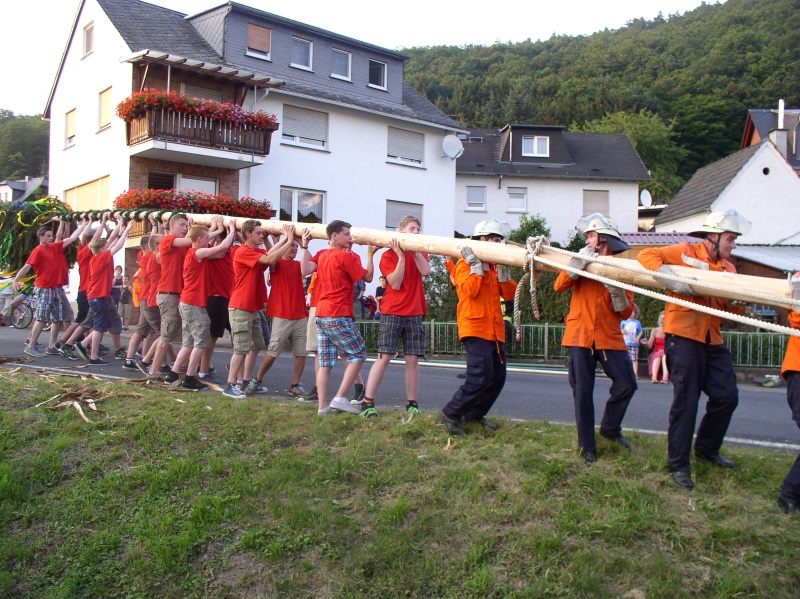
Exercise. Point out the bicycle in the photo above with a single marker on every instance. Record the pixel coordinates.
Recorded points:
(22, 314)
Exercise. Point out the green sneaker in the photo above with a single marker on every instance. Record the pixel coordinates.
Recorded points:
(412, 408)
(368, 410)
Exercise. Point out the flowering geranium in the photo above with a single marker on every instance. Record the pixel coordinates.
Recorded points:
(138, 103)
(194, 202)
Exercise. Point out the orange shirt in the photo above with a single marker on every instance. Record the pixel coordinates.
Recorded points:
(478, 312)
(686, 322)
(591, 321)
(791, 362)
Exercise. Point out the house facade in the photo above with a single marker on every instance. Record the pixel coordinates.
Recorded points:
(546, 171)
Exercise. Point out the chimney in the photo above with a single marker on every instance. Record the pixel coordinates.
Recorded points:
(781, 108)
(780, 136)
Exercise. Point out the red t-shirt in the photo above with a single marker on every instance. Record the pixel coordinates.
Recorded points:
(84, 255)
(101, 275)
(337, 271)
(153, 277)
(219, 275)
(171, 265)
(46, 261)
(409, 300)
(249, 286)
(194, 280)
(286, 297)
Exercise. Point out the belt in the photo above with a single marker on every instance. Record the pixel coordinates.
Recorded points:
(170, 292)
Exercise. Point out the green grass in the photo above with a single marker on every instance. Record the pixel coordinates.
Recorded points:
(263, 498)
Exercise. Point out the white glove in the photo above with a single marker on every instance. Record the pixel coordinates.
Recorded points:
(503, 273)
(619, 301)
(675, 286)
(795, 281)
(475, 266)
(580, 263)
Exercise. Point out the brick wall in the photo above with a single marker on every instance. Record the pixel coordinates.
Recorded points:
(228, 178)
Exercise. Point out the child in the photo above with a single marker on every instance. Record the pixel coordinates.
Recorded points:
(632, 331)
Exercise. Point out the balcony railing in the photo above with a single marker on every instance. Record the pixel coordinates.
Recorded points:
(198, 131)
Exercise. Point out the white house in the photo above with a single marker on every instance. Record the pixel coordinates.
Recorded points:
(546, 171)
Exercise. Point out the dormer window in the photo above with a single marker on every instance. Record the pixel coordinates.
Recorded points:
(377, 74)
(259, 41)
(302, 51)
(537, 146)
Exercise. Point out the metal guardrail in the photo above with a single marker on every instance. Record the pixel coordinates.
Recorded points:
(543, 342)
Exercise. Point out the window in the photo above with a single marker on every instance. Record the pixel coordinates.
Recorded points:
(197, 91)
(517, 199)
(104, 114)
(340, 64)
(305, 127)
(88, 39)
(406, 146)
(301, 205)
(91, 196)
(201, 184)
(258, 41)
(156, 180)
(397, 211)
(377, 74)
(595, 201)
(301, 53)
(69, 135)
(476, 198)
(536, 146)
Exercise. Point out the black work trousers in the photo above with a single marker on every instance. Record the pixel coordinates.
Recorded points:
(696, 367)
(791, 485)
(486, 375)
(617, 366)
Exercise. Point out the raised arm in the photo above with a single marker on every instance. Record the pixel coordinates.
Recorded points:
(395, 278)
(221, 248)
(120, 242)
(307, 267)
(280, 248)
(76, 234)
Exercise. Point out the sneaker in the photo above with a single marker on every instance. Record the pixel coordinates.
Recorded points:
(297, 390)
(52, 351)
(103, 352)
(233, 391)
(254, 388)
(211, 370)
(209, 379)
(310, 398)
(327, 410)
(190, 382)
(164, 369)
(359, 395)
(146, 365)
(368, 410)
(104, 348)
(130, 365)
(412, 408)
(67, 351)
(98, 362)
(32, 351)
(171, 377)
(341, 403)
(81, 350)
(121, 354)
(59, 344)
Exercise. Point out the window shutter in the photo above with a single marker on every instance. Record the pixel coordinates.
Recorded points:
(105, 108)
(397, 211)
(70, 126)
(476, 197)
(595, 201)
(258, 38)
(205, 93)
(305, 124)
(406, 145)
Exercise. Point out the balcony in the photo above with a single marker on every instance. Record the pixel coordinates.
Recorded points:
(195, 139)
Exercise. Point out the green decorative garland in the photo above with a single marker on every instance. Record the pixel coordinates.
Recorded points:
(18, 224)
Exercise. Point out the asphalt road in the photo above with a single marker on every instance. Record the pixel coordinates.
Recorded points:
(762, 418)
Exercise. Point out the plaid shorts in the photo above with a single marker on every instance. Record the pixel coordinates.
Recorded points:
(52, 305)
(409, 328)
(337, 335)
(633, 352)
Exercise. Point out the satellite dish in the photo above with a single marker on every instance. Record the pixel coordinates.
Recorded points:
(452, 147)
(645, 198)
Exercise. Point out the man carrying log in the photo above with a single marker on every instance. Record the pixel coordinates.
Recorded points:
(593, 335)
(698, 359)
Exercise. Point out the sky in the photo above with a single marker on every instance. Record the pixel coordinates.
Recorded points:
(37, 30)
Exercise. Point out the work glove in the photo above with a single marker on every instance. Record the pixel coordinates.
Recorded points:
(475, 266)
(676, 286)
(580, 263)
(503, 273)
(619, 301)
(795, 281)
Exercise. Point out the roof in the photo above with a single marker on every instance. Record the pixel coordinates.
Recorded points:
(14, 184)
(653, 238)
(593, 156)
(780, 257)
(705, 186)
(764, 120)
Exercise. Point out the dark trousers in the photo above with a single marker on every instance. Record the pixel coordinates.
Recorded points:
(617, 366)
(791, 485)
(486, 375)
(83, 306)
(696, 367)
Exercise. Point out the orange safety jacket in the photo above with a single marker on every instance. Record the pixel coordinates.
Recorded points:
(686, 322)
(791, 362)
(137, 290)
(479, 313)
(592, 322)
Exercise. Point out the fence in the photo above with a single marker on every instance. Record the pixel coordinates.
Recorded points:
(543, 342)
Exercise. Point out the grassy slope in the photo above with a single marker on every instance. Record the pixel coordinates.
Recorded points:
(262, 497)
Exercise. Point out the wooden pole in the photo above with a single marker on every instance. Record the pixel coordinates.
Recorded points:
(513, 255)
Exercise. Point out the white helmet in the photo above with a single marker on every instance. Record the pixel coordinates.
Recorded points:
(603, 226)
(488, 227)
(720, 222)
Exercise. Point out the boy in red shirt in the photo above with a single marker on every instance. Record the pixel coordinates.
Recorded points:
(194, 299)
(172, 249)
(248, 299)
(101, 272)
(338, 268)
(402, 309)
(287, 307)
(52, 304)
